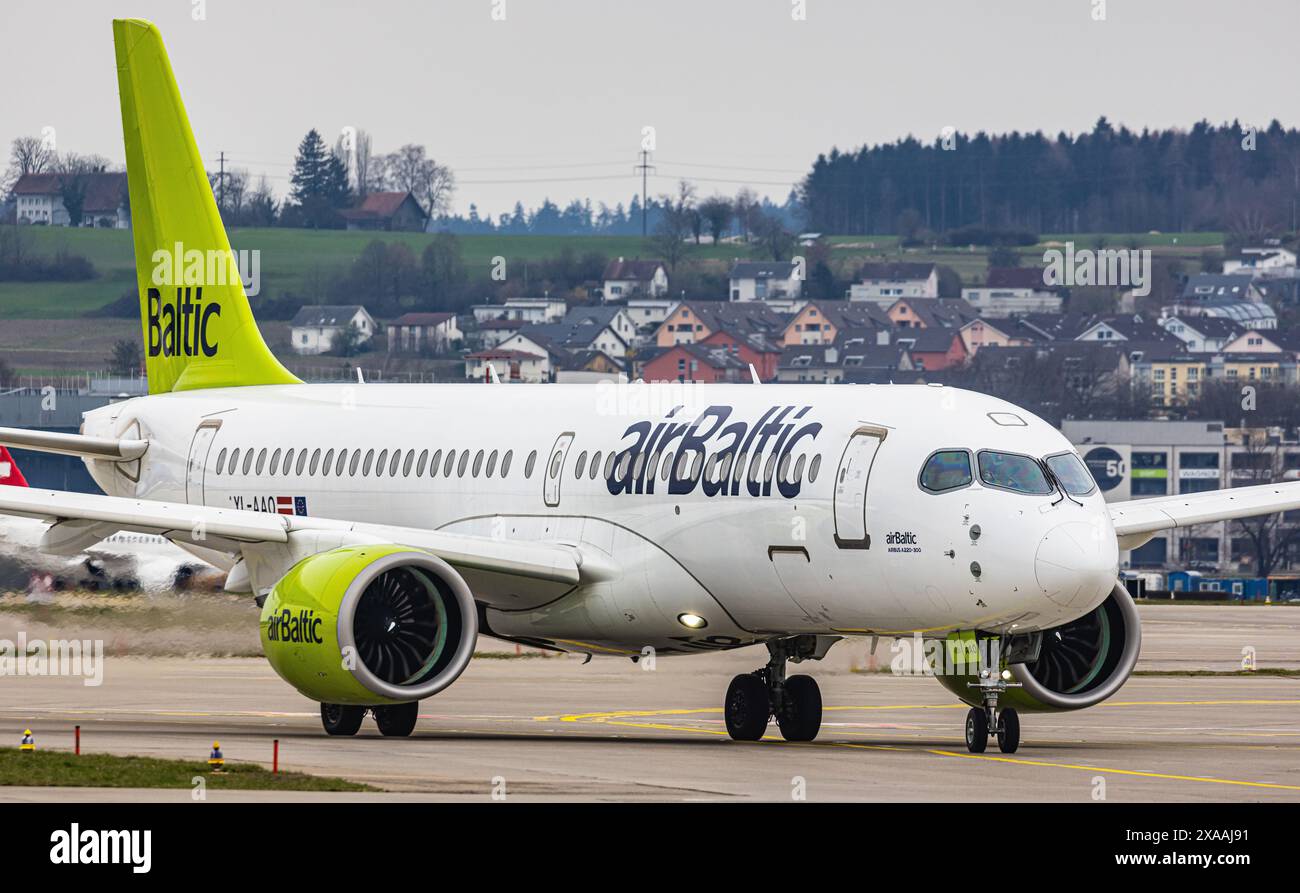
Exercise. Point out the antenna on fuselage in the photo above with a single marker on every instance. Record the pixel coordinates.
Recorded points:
(361, 379)
(753, 374)
(492, 373)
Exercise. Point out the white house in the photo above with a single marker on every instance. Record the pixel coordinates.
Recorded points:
(650, 312)
(1262, 260)
(39, 199)
(1010, 291)
(885, 283)
(1201, 334)
(510, 365)
(640, 278)
(414, 332)
(529, 310)
(763, 281)
(314, 327)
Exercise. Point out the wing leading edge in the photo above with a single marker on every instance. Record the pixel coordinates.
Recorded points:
(1137, 520)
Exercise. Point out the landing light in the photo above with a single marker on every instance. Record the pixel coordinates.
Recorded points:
(1006, 675)
(692, 621)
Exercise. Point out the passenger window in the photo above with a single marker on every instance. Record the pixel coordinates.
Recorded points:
(609, 464)
(410, 460)
(580, 466)
(302, 462)
(221, 460)
(460, 467)
(478, 462)
(798, 469)
(725, 474)
(328, 465)
(288, 462)
(505, 462)
(771, 467)
(638, 466)
(315, 460)
(528, 466)
(367, 462)
(1009, 471)
(275, 462)
(740, 467)
(450, 464)
(623, 464)
(814, 467)
(380, 463)
(697, 466)
(434, 463)
(667, 468)
(1072, 474)
(754, 465)
(340, 463)
(356, 460)
(419, 466)
(248, 461)
(783, 474)
(946, 470)
(555, 463)
(595, 465)
(394, 462)
(492, 464)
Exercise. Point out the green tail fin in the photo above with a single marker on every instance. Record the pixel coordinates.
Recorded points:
(199, 330)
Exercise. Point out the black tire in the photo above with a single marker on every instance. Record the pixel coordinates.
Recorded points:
(801, 709)
(398, 720)
(977, 730)
(1008, 730)
(341, 719)
(747, 708)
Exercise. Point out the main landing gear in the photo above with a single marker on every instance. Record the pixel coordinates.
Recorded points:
(1004, 723)
(394, 720)
(796, 701)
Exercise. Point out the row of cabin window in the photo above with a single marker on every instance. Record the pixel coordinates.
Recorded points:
(689, 469)
(404, 462)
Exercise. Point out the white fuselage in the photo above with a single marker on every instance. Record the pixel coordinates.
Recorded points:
(756, 551)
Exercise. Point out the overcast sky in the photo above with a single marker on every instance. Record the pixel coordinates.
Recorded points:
(557, 94)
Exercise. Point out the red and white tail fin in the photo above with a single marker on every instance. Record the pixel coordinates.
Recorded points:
(10, 474)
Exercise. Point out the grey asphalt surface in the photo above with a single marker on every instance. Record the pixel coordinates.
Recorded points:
(553, 728)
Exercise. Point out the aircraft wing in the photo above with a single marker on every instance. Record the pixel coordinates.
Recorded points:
(1137, 520)
(78, 518)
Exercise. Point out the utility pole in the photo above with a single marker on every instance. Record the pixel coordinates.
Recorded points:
(221, 185)
(644, 167)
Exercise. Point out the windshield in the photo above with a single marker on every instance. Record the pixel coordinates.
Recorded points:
(946, 470)
(1012, 472)
(1072, 474)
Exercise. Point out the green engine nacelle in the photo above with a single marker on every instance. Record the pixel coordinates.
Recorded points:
(1077, 665)
(369, 625)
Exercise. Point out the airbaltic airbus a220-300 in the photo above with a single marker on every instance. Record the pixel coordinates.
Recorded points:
(384, 526)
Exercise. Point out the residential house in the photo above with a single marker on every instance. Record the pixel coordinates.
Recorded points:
(1201, 334)
(886, 282)
(419, 332)
(751, 348)
(588, 366)
(510, 365)
(1167, 371)
(1262, 260)
(387, 211)
(820, 322)
(851, 356)
(921, 313)
(695, 363)
(530, 310)
(626, 278)
(693, 321)
(314, 328)
(933, 349)
(492, 332)
(1203, 288)
(764, 280)
(567, 337)
(39, 199)
(648, 313)
(1009, 332)
(1010, 291)
(617, 317)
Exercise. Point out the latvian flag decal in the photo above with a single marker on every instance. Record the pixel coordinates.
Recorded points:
(291, 505)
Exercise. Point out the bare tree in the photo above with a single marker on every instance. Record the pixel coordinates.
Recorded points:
(410, 169)
(364, 167)
(717, 213)
(670, 236)
(1272, 538)
(27, 155)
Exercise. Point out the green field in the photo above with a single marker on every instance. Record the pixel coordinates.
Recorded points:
(298, 261)
(49, 768)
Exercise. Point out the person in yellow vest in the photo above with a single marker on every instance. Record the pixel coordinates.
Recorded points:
(216, 761)
(28, 742)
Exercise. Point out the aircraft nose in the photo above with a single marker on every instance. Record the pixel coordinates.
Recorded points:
(1076, 563)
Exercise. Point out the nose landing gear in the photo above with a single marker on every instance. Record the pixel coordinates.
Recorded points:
(796, 702)
(1004, 723)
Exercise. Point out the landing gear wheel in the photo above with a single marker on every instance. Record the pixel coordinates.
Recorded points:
(747, 708)
(341, 719)
(398, 720)
(800, 717)
(1008, 730)
(977, 730)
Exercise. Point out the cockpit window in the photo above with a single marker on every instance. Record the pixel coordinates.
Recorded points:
(946, 470)
(1012, 472)
(1072, 474)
